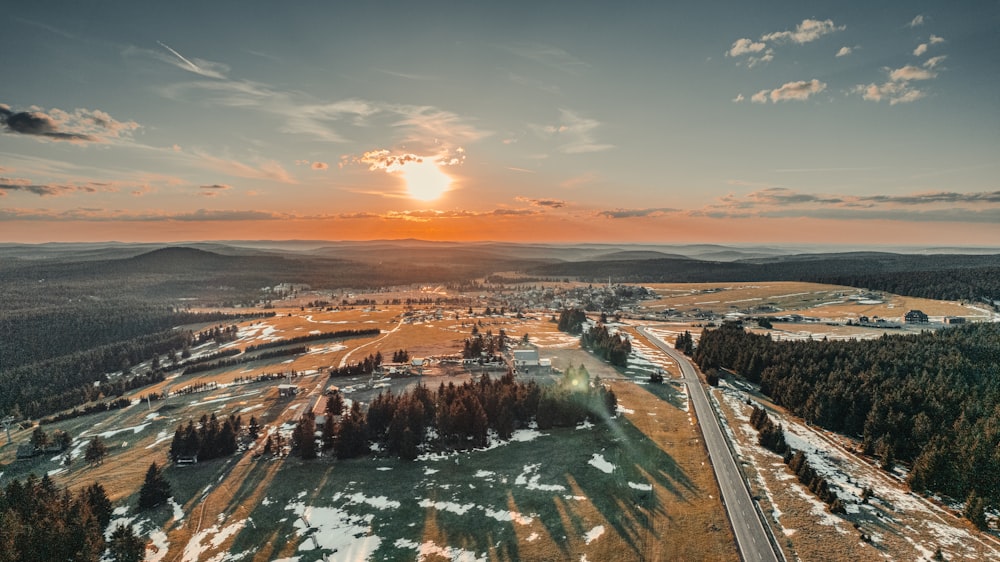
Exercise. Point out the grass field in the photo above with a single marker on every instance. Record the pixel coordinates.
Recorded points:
(831, 302)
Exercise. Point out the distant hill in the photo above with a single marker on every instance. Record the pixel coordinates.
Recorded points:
(631, 255)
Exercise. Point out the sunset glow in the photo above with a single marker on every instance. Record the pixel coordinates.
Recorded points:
(742, 124)
(424, 180)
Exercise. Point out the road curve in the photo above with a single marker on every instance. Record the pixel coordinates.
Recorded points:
(751, 537)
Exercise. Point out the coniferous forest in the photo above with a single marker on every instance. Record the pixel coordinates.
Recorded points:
(454, 417)
(40, 522)
(928, 400)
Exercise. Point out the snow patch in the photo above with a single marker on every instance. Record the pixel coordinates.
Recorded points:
(594, 534)
(529, 478)
(598, 461)
(430, 548)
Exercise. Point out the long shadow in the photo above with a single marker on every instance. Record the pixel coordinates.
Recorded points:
(637, 460)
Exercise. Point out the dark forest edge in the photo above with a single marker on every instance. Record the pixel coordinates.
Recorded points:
(927, 400)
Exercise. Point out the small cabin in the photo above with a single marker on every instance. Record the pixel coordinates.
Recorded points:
(287, 390)
(183, 460)
(26, 451)
(915, 317)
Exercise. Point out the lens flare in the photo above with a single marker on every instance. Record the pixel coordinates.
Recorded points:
(424, 180)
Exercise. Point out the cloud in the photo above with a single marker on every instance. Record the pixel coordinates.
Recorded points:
(807, 31)
(214, 189)
(921, 49)
(798, 91)
(738, 98)
(895, 92)
(548, 56)
(770, 199)
(745, 46)
(8, 185)
(934, 61)
(266, 170)
(916, 21)
(423, 127)
(80, 125)
(551, 203)
(910, 72)
(934, 40)
(427, 215)
(761, 51)
(634, 213)
(898, 89)
(383, 159)
(201, 67)
(844, 51)
(576, 133)
(406, 75)
(314, 165)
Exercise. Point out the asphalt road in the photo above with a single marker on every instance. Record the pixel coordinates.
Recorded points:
(751, 538)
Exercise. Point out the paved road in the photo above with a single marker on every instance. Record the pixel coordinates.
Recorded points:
(751, 538)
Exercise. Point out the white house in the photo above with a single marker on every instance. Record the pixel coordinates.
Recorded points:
(526, 358)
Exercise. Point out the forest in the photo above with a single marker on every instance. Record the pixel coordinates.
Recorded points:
(951, 277)
(928, 400)
(40, 523)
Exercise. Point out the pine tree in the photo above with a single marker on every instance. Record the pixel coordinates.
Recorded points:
(304, 437)
(124, 546)
(99, 503)
(96, 451)
(155, 489)
(975, 510)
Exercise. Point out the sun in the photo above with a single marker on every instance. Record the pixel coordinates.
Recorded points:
(424, 180)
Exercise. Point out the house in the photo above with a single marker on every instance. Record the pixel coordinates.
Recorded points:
(417, 365)
(26, 451)
(915, 317)
(526, 358)
(287, 390)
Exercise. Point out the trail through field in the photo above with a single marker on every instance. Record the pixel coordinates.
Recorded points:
(343, 360)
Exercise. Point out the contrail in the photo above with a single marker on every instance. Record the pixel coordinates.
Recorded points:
(193, 66)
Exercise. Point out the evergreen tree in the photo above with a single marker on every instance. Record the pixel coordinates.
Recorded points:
(975, 510)
(95, 451)
(124, 546)
(99, 503)
(304, 437)
(155, 489)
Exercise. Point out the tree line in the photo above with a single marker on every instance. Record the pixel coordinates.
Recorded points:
(969, 284)
(615, 348)
(313, 337)
(772, 437)
(454, 417)
(202, 367)
(925, 399)
(210, 439)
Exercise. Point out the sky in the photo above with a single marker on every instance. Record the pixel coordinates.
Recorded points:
(805, 122)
